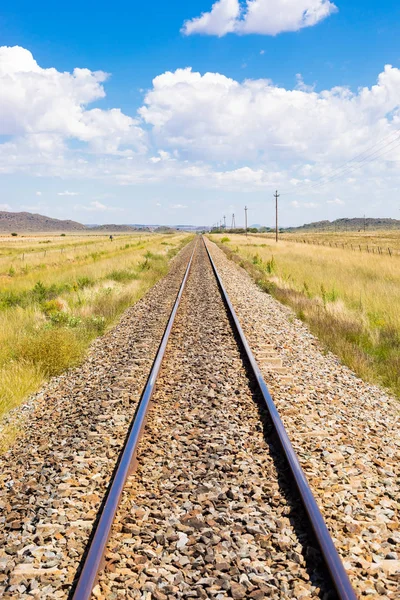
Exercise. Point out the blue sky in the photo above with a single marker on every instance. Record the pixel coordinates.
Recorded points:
(194, 121)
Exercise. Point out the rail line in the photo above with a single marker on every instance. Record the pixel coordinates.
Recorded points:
(98, 544)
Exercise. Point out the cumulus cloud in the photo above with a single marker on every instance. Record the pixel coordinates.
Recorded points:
(96, 206)
(337, 201)
(266, 17)
(205, 130)
(51, 106)
(297, 204)
(212, 116)
(38, 193)
(67, 193)
(5, 207)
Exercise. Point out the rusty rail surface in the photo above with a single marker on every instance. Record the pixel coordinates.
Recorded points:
(331, 557)
(93, 563)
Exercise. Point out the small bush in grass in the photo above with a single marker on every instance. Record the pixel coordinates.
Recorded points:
(11, 272)
(64, 319)
(83, 282)
(14, 234)
(53, 350)
(225, 240)
(271, 265)
(123, 275)
(63, 235)
(52, 306)
(95, 325)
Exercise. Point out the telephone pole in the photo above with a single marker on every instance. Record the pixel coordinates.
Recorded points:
(364, 223)
(233, 226)
(224, 222)
(245, 219)
(276, 196)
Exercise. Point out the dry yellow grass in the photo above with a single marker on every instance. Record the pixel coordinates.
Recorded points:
(350, 299)
(53, 302)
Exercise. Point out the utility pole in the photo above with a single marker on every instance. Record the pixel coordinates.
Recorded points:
(233, 226)
(365, 224)
(276, 195)
(245, 219)
(224, 222)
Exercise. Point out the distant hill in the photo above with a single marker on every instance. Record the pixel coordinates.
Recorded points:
(356, 224)
(117, 228)
(28, 222)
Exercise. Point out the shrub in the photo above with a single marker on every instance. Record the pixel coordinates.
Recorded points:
(271, 265)
(83, 282)
(14, 234)
(122, 276)
(53, 350)
(52, 306)
(225, 240)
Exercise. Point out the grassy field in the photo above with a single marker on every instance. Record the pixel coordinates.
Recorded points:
(350, 299)
(382, 242)
(57, 293)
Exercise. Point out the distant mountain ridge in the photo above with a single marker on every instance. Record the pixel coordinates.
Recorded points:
(29, 222)
(356, 224)
(26, 222)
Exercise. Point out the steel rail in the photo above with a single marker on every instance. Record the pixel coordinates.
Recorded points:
(331, 557)
(93, 563)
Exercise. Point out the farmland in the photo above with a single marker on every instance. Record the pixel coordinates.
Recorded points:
(349, 298)
(59, 292)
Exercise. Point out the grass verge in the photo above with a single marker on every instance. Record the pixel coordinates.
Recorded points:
(352, 310)
(47, 328)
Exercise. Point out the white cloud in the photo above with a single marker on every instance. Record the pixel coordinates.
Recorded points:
(297, 204)
(203, 130)
(5, 207)
(266, 17)
(337, 201)
(67, 193)
(97, 206)
(53, 105)
(178, 206)
(213, 117)
(38, 193)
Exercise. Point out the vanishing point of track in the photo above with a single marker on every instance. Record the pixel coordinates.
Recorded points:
(94, 559)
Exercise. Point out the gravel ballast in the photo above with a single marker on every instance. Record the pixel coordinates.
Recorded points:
(55, 476)
(206, 514)
(209, 512)
(346, 433)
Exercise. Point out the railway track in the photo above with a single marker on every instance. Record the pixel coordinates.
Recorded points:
(208, 498)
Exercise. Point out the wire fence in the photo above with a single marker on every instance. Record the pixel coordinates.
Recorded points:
(369, 248)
